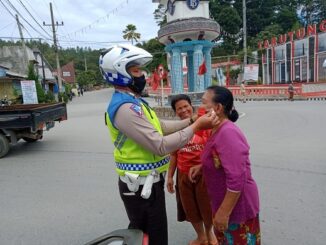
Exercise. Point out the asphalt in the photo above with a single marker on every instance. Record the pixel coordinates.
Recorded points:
(63, 189)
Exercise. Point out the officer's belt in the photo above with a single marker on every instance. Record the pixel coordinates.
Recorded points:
(141, 179)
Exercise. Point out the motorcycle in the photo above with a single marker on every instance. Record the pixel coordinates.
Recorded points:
(122, 237)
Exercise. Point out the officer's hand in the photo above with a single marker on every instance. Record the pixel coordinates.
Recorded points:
(207, 121)
(170, 185)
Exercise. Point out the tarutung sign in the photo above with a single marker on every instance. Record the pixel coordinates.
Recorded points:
(301, 33)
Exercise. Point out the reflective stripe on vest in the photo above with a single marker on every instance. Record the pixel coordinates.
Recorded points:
(142, 167)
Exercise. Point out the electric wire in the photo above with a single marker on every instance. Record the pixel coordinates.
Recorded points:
(13, 7)
(33, 18)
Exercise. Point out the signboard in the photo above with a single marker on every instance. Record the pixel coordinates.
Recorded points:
(66, 74)
(29, 92)
(251, 72)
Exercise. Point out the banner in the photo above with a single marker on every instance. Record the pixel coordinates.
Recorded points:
(251, 72)
(221, 79)
(29, 92)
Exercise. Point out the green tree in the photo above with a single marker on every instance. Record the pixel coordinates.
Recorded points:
(130, 33)
(154, 47)
(86, 78)
(160, 15)
(312, 11)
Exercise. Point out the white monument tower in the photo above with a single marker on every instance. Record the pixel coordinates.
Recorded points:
(189, 30)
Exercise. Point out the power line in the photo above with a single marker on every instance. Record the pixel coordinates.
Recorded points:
(33, 18)
(13, 7)
(26, 30)
(8, 10)
(121, 5)
(6, 26)
(64, 28)
(13, 17)
(33, 9)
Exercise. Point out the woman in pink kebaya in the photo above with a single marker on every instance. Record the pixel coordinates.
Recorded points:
(226, 169)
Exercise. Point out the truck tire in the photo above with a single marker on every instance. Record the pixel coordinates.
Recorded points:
(4, 145)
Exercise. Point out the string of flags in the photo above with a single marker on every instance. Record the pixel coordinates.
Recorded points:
(85, 29)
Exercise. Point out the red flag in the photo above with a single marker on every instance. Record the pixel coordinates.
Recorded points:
(202, 69)
(155, 81)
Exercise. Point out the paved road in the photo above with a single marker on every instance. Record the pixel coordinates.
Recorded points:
(62, 190)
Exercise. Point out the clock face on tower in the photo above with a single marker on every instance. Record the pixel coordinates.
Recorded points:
(192, 4)
(170, 7)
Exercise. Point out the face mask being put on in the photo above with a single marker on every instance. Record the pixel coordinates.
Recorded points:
(138, 84)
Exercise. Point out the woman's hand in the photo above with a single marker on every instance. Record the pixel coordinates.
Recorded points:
(170, 185)
(221, 220)
(194, 172)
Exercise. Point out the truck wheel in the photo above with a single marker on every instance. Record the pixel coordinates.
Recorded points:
(4, 146)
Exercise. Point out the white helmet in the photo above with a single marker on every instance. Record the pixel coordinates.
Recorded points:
(115, 60)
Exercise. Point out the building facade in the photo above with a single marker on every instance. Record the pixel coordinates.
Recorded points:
(297, 56)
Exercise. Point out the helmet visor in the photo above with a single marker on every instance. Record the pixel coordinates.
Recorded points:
(139, 62)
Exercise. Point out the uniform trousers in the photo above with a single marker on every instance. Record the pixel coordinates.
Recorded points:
(148, 215)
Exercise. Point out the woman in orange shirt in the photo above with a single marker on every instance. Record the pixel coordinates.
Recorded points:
(193, 196)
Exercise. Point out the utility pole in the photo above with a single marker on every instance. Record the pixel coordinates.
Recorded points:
(244, 17)
(25, 57)
(55, 46)
(85, 63)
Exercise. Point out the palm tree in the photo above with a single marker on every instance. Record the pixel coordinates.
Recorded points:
(131, 34)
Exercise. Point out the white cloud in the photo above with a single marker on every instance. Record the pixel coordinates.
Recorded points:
(85, 21)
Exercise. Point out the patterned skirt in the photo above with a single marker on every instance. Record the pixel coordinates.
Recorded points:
(247, 233)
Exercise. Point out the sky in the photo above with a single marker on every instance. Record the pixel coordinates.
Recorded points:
(93, 23)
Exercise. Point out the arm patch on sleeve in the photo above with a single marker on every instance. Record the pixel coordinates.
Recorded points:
(137, 109)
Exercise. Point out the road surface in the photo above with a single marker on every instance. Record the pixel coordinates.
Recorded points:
(63, 189)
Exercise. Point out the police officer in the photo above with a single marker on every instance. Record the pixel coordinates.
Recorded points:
(142, 141)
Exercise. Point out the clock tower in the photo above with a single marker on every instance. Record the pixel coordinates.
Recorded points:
(189, 32)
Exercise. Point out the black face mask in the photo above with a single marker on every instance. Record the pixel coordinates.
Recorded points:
(138, 84)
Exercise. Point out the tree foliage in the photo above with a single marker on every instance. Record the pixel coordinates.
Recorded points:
(160, 15)
(157, 50)
(130, 33)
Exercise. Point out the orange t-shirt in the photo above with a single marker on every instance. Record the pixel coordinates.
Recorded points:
(189, 155)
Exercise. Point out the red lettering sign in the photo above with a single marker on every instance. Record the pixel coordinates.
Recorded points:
(282, 39)
(300, 33)
(260, 45)
(322, 26)
(274, 41)
(312, 30)
(290, 34)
